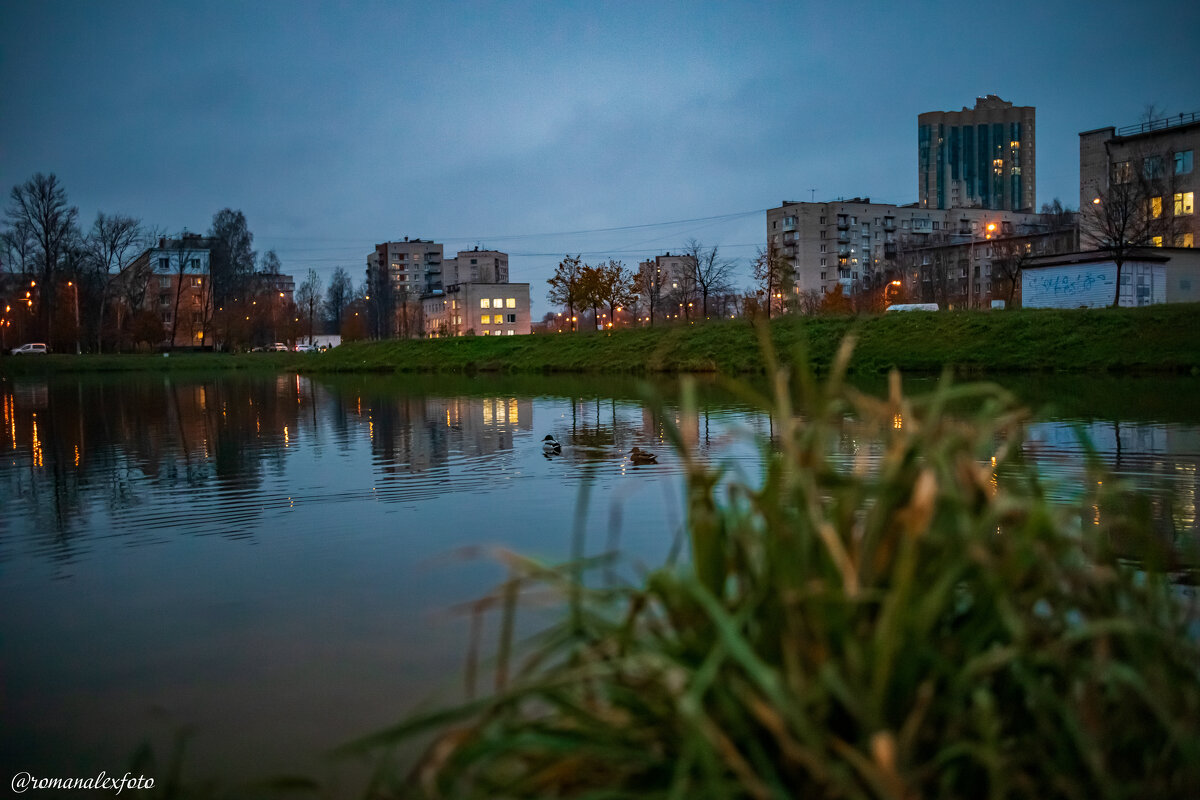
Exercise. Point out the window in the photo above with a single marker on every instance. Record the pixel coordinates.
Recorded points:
(510, 302)
(1183, 162)
(1156, 241)
(486, 319)
(822, 274)
(823, 248)
(1152, 167)
(510, 333)
(512, 319)
(1183, 203)
(498, 303)
(1156, 207)
(164, 264)
(1184, 240)
(1122, 172)
(485, 303)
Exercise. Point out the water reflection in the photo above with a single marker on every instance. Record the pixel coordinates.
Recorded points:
(253, 555)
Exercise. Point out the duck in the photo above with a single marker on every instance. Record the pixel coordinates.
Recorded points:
(640, 456)
(550, 446)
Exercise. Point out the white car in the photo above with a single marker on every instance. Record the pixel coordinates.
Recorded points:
(306, 348)
(31, 348)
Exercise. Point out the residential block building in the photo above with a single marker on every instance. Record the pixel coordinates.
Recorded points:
(481, 309)
(171, 280)
(981, 157)
(1160, 155)
(667, 285)
(475, 266)
(857, 244)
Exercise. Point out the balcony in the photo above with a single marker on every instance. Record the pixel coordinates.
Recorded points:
(890, 251)
(843, 223)
(889, 223)
(843, 236)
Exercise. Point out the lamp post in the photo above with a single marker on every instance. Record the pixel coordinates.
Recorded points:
(75, 297)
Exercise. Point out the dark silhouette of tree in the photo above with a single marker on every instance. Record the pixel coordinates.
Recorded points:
(183, 259)
(773, 275)
(231, 259)
(113, 242)
(566, 285)
(308, 298)
(40, 207)
(338, 297)
(649, 283)
(711, 274)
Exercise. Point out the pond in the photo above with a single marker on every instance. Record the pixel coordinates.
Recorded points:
(278, 564)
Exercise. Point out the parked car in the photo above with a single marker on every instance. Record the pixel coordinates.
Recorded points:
(29, 349)
(306, 348)
(278, 347)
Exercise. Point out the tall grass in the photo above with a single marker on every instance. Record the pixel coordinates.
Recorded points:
(917, 623)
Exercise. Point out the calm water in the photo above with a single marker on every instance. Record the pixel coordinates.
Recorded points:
(278, 564)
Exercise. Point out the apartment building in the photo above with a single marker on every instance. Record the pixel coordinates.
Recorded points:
(667, 286)
(173, 281)
(475, 266)
(981, 157)
(480, 309)
(857, 244)
(1159, 156)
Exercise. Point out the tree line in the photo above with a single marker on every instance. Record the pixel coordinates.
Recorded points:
(88, 289)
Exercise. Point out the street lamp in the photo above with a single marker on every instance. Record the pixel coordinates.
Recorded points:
(75, 296)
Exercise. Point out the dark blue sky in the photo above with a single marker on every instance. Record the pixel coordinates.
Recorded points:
(512, 125)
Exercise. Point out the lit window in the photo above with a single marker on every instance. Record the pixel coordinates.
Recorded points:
(1157, 241)
(1156, 207)
(1184, 240)
(1183, 162)
(510, 333)
(487, 333)
(510, 302)
(485, 303)
(498, 303)
(486, 319)
(1122, 172)
(1183, 203)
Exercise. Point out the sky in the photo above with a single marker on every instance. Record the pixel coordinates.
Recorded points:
(612, 130)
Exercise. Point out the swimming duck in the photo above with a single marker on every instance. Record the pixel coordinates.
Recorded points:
(640, 456)
(550, 446)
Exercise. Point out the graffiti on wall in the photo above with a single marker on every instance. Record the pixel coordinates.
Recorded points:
(1067, 285)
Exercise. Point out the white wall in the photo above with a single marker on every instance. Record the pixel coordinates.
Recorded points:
(1091, 285)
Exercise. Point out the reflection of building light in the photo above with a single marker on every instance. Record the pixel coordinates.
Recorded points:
(371, 430)
(286, 439)
(513, 413)
(488, 416)
(36, 445)
(77, 455)
(897, 421)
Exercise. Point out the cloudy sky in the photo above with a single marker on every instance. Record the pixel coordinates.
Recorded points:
(616, 130)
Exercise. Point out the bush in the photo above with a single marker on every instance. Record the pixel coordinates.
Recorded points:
(921, 623)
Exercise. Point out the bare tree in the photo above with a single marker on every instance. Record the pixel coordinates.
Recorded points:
(1009, 258)
(40, 204)
(773, 275)
(308, 298)
(566, 285)
(183, 258)
(649, 283)
(19, 248)
(113, 243)
(614, 287)
(231, 259)
(1129, 213)
(711, 274)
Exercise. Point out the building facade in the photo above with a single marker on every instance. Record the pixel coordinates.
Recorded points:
(857, 244)
(981, 157)
(1088, 279)
(962, 272)
(172, 281)
(1158, 155)
(475, 266)
(477, 309)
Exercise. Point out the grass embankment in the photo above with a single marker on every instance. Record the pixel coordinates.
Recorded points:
(1163, 338)
(1156, 339)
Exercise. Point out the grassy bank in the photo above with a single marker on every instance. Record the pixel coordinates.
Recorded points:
(1160, 338)
(1163, 338)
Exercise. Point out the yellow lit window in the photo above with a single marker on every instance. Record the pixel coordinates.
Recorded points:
(1183, 203)
(1157, 241)
(486, 319)
(487, 333)
(1184, 240)
(497, 303)
(511, 302)
(485, 303)
(1156, 207)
